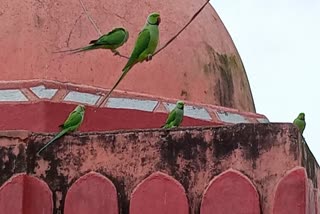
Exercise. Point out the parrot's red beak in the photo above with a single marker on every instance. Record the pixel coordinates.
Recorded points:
(159, 20)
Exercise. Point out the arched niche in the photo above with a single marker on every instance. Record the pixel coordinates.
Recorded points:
(291, 193)
(92, 194)
(24, 194)
(157, 194)
(230, 192)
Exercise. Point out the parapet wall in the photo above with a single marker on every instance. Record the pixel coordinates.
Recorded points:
(244, 168)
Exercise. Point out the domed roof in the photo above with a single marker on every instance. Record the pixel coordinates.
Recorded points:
(202, 65)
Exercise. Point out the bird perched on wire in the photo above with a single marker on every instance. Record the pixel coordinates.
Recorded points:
(71, 124)
(300, 122)
(145, 46)
(175, 117)
(112, 40)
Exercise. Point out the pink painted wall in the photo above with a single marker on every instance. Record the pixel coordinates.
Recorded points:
(196, 170)
(207, 70)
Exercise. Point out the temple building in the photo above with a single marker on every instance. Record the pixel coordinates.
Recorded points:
(225, 158)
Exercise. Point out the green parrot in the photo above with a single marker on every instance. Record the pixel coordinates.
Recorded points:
(71, 124)
(145, 46)
(300, 122)
(175, 117)
(112, 40)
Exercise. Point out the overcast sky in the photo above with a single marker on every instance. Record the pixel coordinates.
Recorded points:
(279, 43)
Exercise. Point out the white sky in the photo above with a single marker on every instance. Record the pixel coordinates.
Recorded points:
(279, 44)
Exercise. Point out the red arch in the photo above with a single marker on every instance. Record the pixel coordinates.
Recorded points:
(91, 194)
(291, 193)
(23, 194)
(159, 194)
(230, 192)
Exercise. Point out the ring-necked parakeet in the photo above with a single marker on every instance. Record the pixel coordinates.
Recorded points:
(300, 122)
(71, 124)
(175, 117)
(112, 40)
(145, 46)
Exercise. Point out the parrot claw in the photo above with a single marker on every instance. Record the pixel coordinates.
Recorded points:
(149, 57)
(115, 52)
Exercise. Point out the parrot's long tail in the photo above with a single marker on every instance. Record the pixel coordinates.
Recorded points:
(165, 126)
(70, 50)
(77, 50)
(60, 134)
(125, 71)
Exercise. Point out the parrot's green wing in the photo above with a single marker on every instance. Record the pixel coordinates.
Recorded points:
(170, 119)
(111, 40)
(140, 46)
(72, 123)
(179, 118)
(300, 124)
(171, 116)
(74, 119)
(114, 37)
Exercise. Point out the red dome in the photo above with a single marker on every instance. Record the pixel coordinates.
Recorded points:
(201, 65)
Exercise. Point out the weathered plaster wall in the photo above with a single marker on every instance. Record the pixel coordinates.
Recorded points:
(245, 168)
